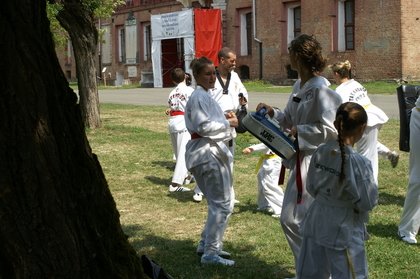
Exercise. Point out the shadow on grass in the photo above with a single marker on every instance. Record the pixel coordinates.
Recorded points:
(383, 230)
(169, 165)
(158, 180)
(179, 259)
(388, 199)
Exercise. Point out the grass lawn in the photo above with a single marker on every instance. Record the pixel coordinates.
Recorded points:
(136, 156)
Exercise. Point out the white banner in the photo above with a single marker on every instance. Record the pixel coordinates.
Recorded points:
(172, 25)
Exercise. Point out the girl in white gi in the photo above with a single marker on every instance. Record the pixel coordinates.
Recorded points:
(309, 115)
(410, 218)
(226, 92)
(344, 190)
(176, 125)
(208, 158)
(270, 195)
(352, 91)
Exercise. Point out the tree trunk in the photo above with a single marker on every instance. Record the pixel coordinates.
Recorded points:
(57, 216)
(79, 22)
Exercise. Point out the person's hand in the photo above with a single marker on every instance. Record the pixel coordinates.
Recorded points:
(242, 99)
(233, 120)
(269, 109)
(247, 150)
(167, 111)
(293, 131)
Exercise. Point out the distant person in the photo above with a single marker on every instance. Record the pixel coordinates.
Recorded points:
(352, 91)
(270, 195)
(342, 184)
(410, 218)
(229, 93)
(209, 160)
(177, 101)
(309, 115)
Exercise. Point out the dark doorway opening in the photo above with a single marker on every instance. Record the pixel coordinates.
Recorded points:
(172, 57)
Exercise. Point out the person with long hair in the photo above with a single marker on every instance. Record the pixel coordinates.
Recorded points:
(342, 183)
(208, 159)
(309, 115)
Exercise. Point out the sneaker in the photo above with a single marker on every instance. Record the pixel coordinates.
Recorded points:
(236, 201)
(275, 215)
(216, 259)
(221, 253)
(178, 189)
(408, 239)
(393, 157)
(189, 179)
(198, 197)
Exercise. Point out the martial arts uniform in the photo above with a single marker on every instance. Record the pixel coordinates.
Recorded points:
(176, 125)
(228, 100)
(352, 91)
(311, 109)
(410, 219)
(334, 227)
(270, 194)
(208, 158)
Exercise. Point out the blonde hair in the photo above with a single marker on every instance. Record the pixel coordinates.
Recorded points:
(343, 69)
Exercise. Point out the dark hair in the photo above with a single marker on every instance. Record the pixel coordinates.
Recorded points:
(348, 118)
(198, 64)
(188, 79)
(309, 52)
(224, 53)
(343, 69)
(178, 75)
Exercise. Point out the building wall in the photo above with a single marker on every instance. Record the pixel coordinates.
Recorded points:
(386, 36)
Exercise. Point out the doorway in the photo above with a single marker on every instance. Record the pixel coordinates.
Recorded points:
(172, 57)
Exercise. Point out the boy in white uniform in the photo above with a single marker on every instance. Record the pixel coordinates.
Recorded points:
(342, 184)
(226, 92)
(410, 218)
(270, 195)
(208, 158)
(352, 91)
(176, 125)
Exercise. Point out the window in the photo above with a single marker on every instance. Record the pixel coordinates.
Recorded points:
(121, 44)
(345, 22)
(105, 45)
(131, 40)
(147, 42)
(293, 22)
(349, 24)
(246, 32)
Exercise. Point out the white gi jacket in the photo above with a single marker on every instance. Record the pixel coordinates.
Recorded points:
(177, 101)
(353, 91)
(338, 209)
(205, 117)
(229, 102)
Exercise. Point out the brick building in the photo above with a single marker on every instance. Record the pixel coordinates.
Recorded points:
(379, 37)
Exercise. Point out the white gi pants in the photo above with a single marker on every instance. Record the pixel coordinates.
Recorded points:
(270, 193)
(293, 213)
(410, 219)
(179, 141)
(319, 262)
(215, 180)
(367, 146)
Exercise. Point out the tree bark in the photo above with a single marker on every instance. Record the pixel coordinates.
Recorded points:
(57, 216)
(79, 22)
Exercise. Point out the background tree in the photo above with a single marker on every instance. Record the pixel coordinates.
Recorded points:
(78, 18)
(57, 216)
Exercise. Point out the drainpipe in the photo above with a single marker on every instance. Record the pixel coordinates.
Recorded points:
(254, 19)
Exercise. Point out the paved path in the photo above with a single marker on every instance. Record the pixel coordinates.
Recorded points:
(158, 96)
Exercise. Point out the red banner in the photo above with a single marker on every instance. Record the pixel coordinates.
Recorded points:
(208, 33)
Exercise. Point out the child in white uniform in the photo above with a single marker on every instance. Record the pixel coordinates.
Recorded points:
(352, 91)
(208, 158)
(176, 125)
(342, 184)
(410, 218)
(309, 115)
(270, 195)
